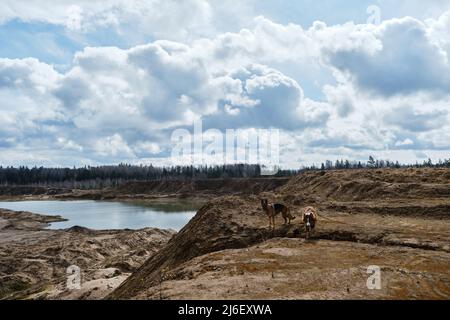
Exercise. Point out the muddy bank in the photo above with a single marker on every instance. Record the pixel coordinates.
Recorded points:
(22, 220)
(206, 187)
(33, 260)
(18, 191)
(195, 190)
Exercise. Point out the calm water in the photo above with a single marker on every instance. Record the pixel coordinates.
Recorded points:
(101, 215)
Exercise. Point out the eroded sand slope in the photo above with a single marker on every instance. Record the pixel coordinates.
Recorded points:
(398, 220)
(33, 261)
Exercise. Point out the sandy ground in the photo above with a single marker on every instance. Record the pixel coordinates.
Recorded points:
(34, 261)
(300, 269)
(398, 220)
(413, 255)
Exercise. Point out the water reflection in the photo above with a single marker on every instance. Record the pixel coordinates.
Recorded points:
(102, 215)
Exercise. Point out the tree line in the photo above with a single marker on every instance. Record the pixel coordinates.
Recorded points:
(373, 163)
(106, 176)
(109, 176)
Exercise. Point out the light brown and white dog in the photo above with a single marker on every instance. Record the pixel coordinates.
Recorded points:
(309, 218)
(274, 209)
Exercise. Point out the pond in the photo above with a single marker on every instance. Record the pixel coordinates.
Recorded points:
(104, 215)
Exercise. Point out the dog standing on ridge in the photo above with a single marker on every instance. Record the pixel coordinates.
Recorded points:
(309, 218)
(274, 209)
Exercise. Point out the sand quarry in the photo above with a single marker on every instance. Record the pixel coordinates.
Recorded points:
(396, 219)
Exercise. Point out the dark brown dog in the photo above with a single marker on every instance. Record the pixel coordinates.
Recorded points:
(274, 209)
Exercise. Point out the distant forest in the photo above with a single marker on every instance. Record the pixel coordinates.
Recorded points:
(372, 163)
(109, 176)
(106, 176)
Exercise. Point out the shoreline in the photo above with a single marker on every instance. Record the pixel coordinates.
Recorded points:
(194, 204)
(38, 257)
(398, 220)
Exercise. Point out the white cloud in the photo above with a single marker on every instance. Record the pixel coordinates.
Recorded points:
(27, 74)
(397, 58)
(69, 144)
(136, 19)
(113, 146)
(74, 18)
(146, 148)
(389, 92)
(414, 8)
(438, 31)
(406, 142)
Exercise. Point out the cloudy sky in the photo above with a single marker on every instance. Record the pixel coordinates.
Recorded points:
(102, 82)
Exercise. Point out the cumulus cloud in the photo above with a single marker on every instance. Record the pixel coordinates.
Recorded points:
(137, 19)
(438, 32)
(341, 97)
(168, 84)
(402, 60)
(268, 99)
(113, 146)
(27, 106)
(120, 98)
(27, 74)
(392, 88)
(407, 118)
(389, 91)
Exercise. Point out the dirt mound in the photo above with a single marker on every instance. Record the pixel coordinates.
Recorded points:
(288, 269)
(32, 191)
(80, 230)
(33, 261)
(22, 220)
(228, 222)
(392, 208)
(237, 223)
(207, 186)
(368, 217)
(358, 185)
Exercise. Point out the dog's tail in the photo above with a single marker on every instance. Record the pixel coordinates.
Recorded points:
(292, 217)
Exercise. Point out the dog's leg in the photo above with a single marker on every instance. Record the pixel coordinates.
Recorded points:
(291, 217)
(288, 215)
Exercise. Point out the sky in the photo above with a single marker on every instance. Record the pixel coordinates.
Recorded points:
(103, 82)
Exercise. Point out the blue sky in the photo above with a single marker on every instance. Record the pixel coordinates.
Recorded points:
(305, 12)
(54, 43)
(94, 82)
